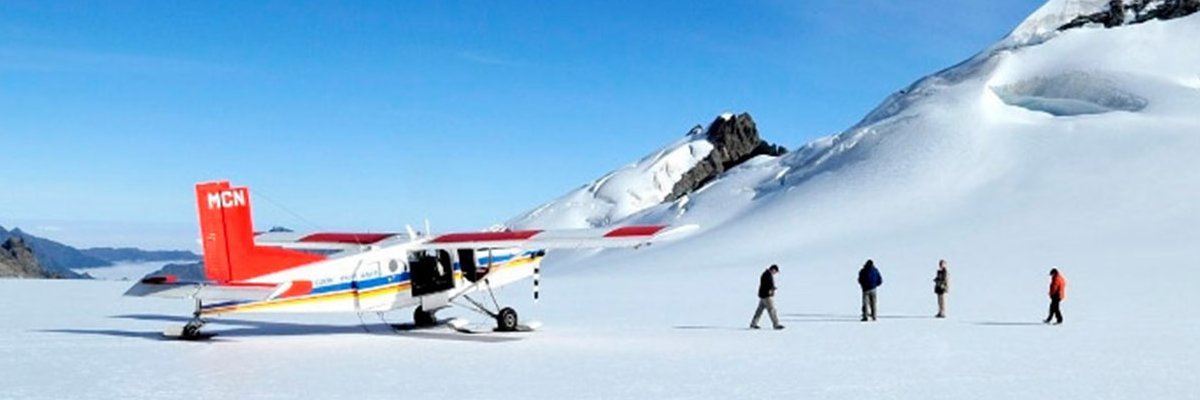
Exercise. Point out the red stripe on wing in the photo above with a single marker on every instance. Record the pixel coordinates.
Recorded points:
(347, 238)
(633, 231)
(485, 236)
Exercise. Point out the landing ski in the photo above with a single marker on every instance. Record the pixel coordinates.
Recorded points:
(409, 326)
(467, 327)
(176, 333)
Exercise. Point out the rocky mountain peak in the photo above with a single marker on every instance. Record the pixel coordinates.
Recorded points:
(1059, 15)
(17, 260)
(1127, 12)
(735, 140)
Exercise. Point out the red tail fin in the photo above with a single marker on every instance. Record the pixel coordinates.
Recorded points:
(228, 237)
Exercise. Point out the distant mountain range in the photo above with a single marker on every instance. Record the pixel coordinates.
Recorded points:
(59, 260)
(124, 254)
(192, 272)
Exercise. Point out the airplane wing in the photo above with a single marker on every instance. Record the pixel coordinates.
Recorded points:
(326, 241)
(629, 236)
(168, 287)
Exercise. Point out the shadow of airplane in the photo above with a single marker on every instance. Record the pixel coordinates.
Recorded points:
(251, 328)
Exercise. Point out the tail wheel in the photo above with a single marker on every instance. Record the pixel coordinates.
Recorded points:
(506, 320)
(423, 318)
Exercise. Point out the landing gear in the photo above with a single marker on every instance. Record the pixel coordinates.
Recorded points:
(423, 319)
(190, 331)
(505, 317)
(506, 320)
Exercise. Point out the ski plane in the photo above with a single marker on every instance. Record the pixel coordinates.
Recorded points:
(361, 272)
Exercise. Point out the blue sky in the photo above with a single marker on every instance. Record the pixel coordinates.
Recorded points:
(371, 115)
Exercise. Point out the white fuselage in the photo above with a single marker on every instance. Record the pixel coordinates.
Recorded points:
(379, 279)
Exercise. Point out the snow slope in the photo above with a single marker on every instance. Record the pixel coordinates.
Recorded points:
(1086, 140)
(629, 189)
(1044, 23)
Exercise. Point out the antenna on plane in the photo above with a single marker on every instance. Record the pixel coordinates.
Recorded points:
(428, 231)
(412, 235)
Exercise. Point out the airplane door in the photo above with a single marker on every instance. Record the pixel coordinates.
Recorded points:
(468, 264)
(431, 271)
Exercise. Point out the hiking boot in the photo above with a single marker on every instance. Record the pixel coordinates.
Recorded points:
(864, 319)
(778, 327)
(753, 326)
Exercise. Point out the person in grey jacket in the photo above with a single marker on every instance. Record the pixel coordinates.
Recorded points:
(766, 298)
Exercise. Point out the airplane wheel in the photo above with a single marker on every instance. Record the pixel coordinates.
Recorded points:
(506, 321)
(422, 318)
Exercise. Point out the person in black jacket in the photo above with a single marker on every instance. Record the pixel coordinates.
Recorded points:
(941, 286)
(869, 279)
(766, 297)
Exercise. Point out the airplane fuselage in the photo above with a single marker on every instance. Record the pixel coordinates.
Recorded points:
(386, 278)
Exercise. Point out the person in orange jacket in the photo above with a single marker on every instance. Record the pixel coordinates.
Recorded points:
(1058, 292)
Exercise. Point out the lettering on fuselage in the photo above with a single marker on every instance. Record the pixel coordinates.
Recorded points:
(227, 199)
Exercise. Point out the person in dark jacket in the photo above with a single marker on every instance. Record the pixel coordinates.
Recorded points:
(941, 286)
(869, 280)
(766, 298)
(1058, 292)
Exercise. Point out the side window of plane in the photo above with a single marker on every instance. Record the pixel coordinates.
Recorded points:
(394, 267)
(445, 264)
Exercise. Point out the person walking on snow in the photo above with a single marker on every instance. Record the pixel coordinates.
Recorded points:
(766, 297)
(869, 280)
(941, 286)
(1058, 292)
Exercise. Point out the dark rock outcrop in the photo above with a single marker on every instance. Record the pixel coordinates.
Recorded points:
(735, 140)
(1126, 12)
(17, 260)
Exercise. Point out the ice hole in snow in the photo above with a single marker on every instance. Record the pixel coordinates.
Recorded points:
(1072, 93)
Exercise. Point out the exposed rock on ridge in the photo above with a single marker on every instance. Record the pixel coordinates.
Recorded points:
(18, 261)
(735, 140)
(1127, 12)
